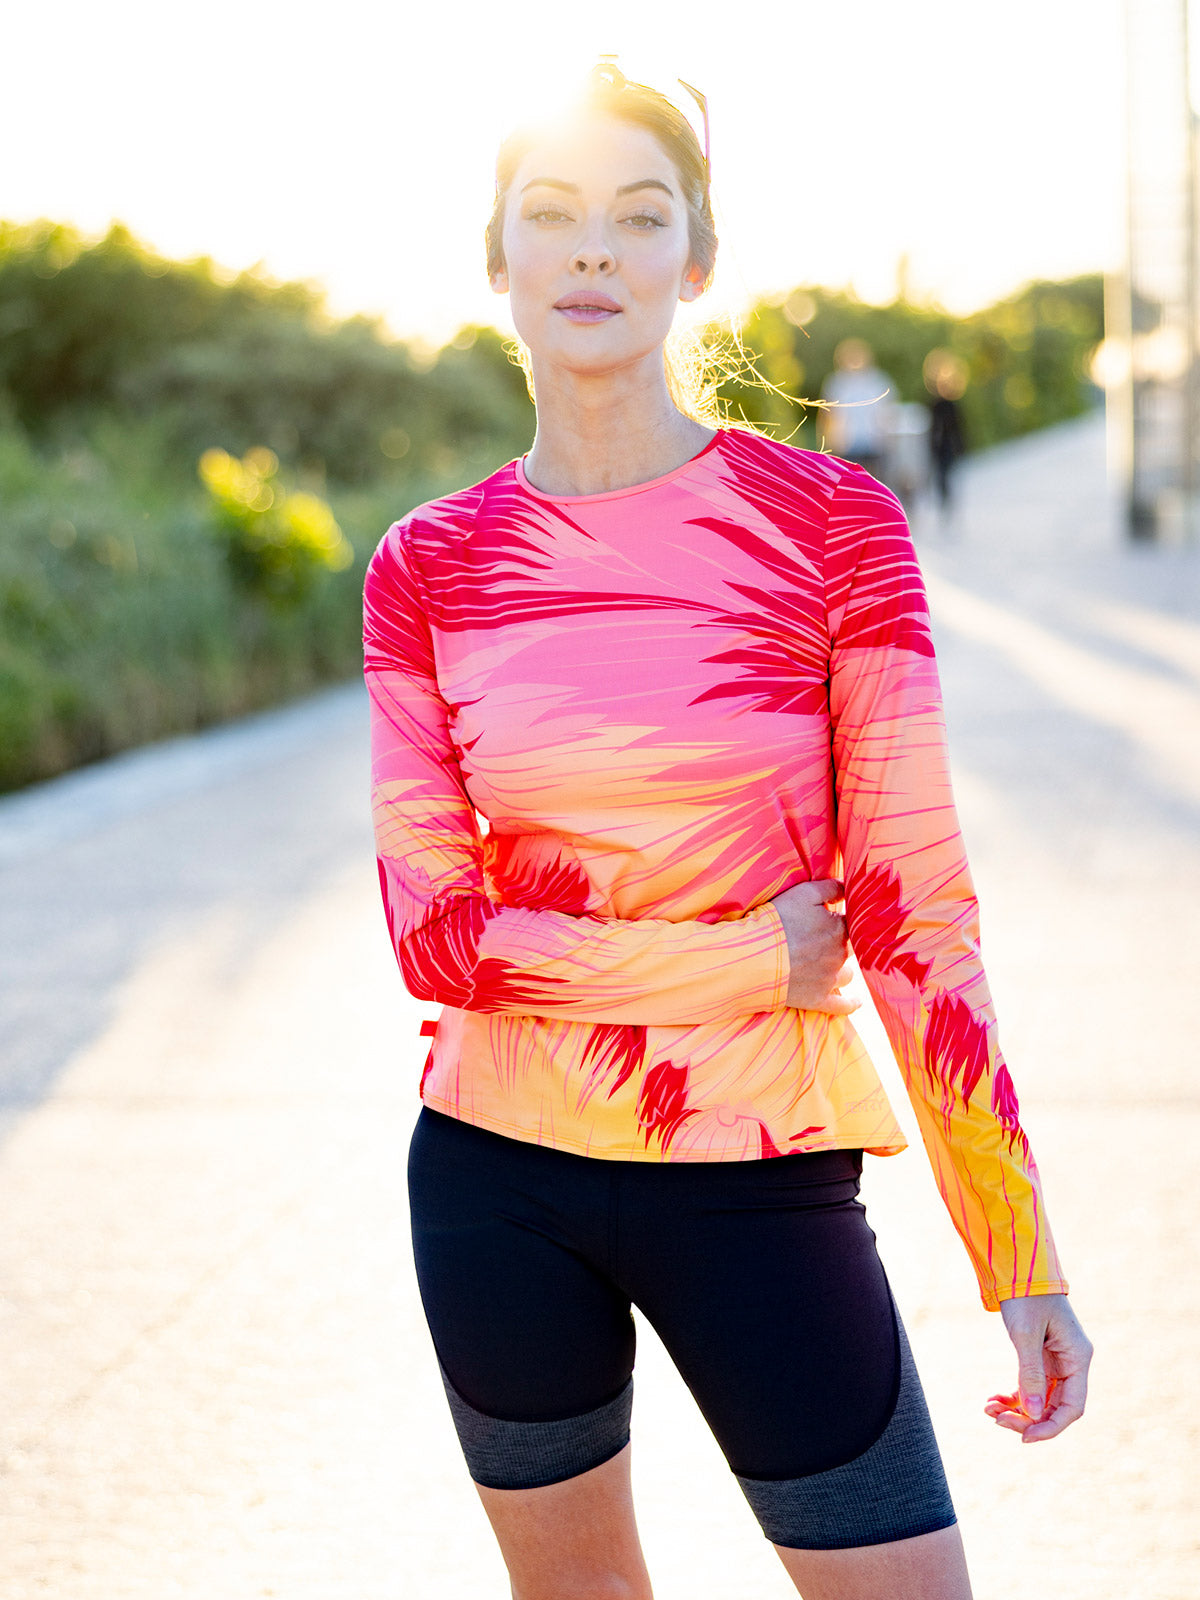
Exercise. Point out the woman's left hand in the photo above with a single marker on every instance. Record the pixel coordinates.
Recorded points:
(1054, 1355)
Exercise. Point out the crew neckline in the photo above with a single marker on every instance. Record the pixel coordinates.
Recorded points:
(616, 494)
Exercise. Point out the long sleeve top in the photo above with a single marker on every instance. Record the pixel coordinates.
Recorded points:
(606, 730)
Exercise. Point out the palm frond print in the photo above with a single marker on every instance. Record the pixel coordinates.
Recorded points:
(669, 703)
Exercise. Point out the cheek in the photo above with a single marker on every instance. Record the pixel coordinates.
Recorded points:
(523, 259)
(659, 264)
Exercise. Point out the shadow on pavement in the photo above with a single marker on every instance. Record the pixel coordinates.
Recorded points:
(253, 817)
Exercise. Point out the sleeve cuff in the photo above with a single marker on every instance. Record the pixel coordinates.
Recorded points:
(777, 964)
(992, 1297)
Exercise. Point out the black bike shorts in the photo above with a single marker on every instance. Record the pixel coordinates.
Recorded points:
(760, 1277)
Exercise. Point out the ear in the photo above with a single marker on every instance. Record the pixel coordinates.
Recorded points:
(693, 283)
(499, 281)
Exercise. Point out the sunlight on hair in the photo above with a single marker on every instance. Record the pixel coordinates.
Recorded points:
(551, 89)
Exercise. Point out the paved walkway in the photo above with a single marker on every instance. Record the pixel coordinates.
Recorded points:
(216, 1381)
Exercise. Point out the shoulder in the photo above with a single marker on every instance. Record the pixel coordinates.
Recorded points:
(838, 488)
(789, 460)
(441, 521)
(861, 498)
(755, 461)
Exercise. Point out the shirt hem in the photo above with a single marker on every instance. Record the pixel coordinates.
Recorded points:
(655, 1153)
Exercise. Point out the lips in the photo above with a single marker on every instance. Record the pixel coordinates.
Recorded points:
(587, 305)
(588, 297)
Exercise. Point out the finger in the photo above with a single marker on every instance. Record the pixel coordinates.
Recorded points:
(1031, 1371)
(1061, 1417)
(1014, 1421)
(997, 1403)
(823, 890)
(1008, 1417)
(1008, 1406)
(845, 976)
(1064, 1406)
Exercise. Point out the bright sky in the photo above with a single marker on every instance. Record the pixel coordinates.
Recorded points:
(354, 142)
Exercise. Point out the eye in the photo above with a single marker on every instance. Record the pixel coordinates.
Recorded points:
(547, 213)
(644, 221)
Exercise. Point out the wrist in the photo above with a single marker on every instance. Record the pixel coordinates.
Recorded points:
(1020, 1310)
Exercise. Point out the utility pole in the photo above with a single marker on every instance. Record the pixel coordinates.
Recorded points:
(1152, 310)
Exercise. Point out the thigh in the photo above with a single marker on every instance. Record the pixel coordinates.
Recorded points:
(765, 1285)
(763, 1281)
(535, 1341)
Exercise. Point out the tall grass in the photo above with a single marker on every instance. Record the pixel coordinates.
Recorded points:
(121, 618)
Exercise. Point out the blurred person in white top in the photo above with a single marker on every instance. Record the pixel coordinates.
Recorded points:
(857, 425)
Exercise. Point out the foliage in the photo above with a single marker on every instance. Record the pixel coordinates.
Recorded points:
(278, 543)
(235, 362)
(1027, 356)
(121, 619)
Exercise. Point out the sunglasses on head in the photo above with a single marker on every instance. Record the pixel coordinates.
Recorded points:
(607, 67)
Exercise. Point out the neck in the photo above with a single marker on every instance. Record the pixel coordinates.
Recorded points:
(611, 430)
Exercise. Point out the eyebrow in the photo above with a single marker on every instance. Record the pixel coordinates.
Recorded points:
(625, 188)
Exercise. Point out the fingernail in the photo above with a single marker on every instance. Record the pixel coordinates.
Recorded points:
(1033, 1407)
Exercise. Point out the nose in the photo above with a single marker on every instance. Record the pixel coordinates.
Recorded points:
(592, 253)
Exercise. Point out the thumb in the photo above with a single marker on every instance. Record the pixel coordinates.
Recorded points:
(836, 1005)
(1031, 1373)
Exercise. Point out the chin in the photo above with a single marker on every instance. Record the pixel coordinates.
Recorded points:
(590, 356)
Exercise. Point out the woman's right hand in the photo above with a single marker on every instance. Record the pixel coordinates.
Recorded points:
(817, 946)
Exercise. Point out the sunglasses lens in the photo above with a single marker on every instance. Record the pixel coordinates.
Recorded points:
(702, 101)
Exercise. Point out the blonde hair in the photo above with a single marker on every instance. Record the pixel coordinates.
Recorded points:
(696, 363)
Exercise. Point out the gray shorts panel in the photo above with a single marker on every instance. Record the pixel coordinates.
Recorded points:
(529, 1455)
(895, 1490)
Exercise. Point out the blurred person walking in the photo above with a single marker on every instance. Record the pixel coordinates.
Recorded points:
(945, 376)
(684, 673)
(857, 423)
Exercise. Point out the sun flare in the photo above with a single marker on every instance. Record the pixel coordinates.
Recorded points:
(355, 145)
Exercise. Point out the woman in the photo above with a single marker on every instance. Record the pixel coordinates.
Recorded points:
(636, 699)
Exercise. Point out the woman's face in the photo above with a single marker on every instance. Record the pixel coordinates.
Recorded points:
(596, 246)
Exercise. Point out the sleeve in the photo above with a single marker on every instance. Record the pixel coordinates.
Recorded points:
(910, 904)
(456, 944)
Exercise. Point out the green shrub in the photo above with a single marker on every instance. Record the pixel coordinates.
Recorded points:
(278, 543)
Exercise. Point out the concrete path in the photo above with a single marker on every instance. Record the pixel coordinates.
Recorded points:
(216, 1381)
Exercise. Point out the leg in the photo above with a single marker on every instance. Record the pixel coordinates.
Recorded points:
(536, 1347)
(769, 1294)
(944, 465)
(572, 1541)
(930, 1567)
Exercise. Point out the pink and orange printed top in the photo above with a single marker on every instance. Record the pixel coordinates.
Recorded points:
(606, 730)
